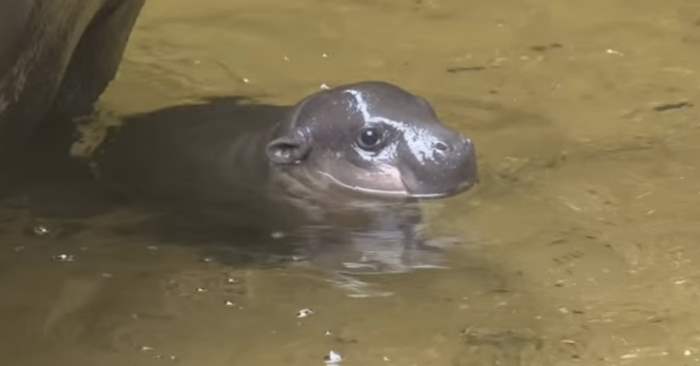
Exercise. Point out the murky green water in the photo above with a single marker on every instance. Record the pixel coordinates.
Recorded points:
(579, 247)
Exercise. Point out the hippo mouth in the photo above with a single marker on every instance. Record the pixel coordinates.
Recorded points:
(405, 192)
(378, 192)
(461, 187)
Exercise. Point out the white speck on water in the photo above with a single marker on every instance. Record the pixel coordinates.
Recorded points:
(277, 235)
(201, 289)
(324, 55)
(245, 80)
(285, 58)
(303, 313)
(324, 86)
(333, 358)
(611, 51)
(152, 248)
(64, 258)
(41, 230)
(146, 348)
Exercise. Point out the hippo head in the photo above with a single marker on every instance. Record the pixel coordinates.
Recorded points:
(375, 139)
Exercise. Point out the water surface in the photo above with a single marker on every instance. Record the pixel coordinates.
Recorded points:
(578, 248)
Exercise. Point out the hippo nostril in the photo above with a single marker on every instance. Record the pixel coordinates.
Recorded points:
(441, 146)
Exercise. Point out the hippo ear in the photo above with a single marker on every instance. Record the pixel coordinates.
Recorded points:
(286, 150)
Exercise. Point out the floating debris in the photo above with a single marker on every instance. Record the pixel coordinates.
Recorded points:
(303, 313)
(147, 348)
(152, 248)
(201, 290)
(245, 80)
(671, 106)
(611, 51)
(231, 280)
(455, 70)
(324, 86)
(106, 275)
(543, 48)
(229, 303)
(333, 358)
(64, 258)
(324, 55)
(208, 259)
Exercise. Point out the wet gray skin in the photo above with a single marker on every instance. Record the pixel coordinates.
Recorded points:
(355, 143)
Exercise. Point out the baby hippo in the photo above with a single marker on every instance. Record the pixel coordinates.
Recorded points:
(362, 142)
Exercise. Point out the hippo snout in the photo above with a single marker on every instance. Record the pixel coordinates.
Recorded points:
(451, 169)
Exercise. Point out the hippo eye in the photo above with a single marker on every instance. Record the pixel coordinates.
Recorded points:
(370, 138)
